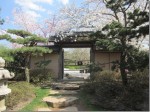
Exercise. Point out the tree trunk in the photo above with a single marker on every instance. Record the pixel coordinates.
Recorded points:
(27, 71)
(27, 74)
(122, 69)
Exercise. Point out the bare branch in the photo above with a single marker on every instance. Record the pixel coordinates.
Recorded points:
(128, 7)
(146, 5)
(125, 15)
(109, 14)
(116, 16)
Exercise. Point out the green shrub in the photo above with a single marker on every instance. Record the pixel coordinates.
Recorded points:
(140, 78)
(20, 92)
(19, 76)
(135, 92)
(103, 83)
(40, 75)
(94, 67)
(111, 94)
(89, 87)
(104, 88)
(104, 75)
(107, 86)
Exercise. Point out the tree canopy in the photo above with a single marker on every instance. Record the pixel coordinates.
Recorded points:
(29, 46)
(118, 35)
(6, 53)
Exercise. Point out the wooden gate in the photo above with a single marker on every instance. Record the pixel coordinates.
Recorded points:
(79, 64)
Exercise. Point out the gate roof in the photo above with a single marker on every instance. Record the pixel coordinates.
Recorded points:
(77, 44)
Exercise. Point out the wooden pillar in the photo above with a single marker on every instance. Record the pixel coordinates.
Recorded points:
(92, 55)
(60, 64)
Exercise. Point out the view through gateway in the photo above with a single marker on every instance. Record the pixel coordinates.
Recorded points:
(75, 63)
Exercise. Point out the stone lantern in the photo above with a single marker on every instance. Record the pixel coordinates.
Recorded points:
(4, 76)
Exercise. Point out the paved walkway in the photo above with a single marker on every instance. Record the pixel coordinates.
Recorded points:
(63, 97)
(76, 74)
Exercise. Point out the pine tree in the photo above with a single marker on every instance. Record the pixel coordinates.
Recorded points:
(29, 42)
(118, 35)
(5, 53)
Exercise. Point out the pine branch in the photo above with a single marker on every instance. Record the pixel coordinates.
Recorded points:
(32, 50)
(20, 33)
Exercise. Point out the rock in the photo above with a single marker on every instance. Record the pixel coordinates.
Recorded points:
(62, 92)
(44, 109)
(60, 101)
(67, 86)
(75, 82)
(70, 109)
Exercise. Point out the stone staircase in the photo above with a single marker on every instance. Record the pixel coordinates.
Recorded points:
(63, 96)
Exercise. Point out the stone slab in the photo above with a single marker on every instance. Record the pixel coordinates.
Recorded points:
(74, 82)
(66, 86)
(60, 101)
(63, 92)
(70, 109)
(44, 109)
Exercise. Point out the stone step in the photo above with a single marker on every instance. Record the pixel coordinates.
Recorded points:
(70, 109)
(44, 109)
(60, 101)
(61, 86)
(70, 80)
(73, 82)
(63, 92)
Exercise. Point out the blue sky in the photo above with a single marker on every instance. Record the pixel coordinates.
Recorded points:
(38, 8)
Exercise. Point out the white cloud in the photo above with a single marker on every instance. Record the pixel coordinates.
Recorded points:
(29, 5)
(44, 1)
(32, 7)
(33, 14)
(65, 1)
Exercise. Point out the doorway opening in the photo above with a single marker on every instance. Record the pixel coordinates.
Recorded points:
(75, 63)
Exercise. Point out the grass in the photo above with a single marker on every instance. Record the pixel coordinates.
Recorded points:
(84, 97)
(73, 67)
(37, 102)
